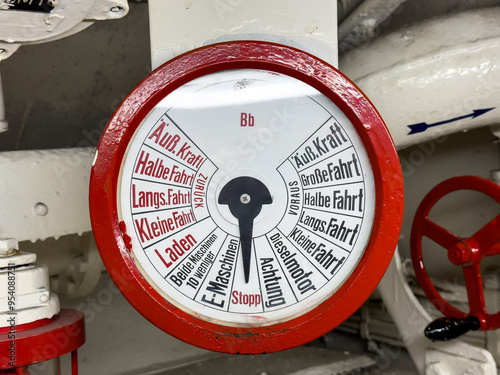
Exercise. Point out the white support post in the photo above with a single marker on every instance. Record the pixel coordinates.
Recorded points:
(177, 27)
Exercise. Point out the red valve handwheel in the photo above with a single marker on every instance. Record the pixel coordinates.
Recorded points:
(466, 252)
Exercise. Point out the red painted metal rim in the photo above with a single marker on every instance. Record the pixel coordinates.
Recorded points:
(24, 327)
(60, 335)
(419, 229)
(380, 149)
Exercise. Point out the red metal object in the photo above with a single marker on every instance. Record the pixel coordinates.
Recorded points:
(246, 339)
(60, 335)
(27, 326)
(465, 252)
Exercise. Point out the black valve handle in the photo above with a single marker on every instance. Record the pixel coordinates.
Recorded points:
(444, 329)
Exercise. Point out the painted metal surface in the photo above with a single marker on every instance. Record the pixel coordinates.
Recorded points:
(181, 26)
(364, 21)
(76, 275)
(8, 246)
(44, 193)
(435, 119)
(430, 73)
(431, 358)
(46, 340)
(112, 242)
(66, 17)
(26, 296)
(465, 252)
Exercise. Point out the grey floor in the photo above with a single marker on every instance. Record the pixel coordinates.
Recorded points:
(120, 341)
(299, 361)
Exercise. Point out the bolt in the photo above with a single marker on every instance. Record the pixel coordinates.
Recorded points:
(455, 255)
(43, 297)
(8, 246)
(459, 254)
(245, 198)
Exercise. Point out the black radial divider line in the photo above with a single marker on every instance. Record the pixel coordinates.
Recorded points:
(332, 185)
(326, 239)
(171, 158)
(164, 238)
(161, 210)
(312, 135)
(321, 161)
(189, 138)
(218, 252)
(299, 250)
(281, 267)
(178, 265)
(234, 273)
(161, 183)
(330, 212)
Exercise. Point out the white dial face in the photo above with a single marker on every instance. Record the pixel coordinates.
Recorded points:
(248, 196)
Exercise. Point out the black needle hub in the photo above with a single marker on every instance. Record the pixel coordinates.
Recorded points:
(245, 197)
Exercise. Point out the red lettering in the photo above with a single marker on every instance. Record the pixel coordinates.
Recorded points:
(163, 260)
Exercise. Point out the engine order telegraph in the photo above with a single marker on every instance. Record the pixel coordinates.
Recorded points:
(246, 197)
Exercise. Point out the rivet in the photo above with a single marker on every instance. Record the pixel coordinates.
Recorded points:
(41, 209)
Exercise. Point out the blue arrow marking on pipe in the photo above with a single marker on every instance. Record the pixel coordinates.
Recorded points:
(422, 126)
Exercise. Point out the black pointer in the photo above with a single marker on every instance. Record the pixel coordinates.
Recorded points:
(245, 197)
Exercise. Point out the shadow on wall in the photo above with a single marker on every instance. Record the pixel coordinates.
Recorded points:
(62, 93)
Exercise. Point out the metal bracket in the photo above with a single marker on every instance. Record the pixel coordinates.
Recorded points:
(431, 358)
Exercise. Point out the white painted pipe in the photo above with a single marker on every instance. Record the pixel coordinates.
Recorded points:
(437, 73)
(362, 23)
(345, 8)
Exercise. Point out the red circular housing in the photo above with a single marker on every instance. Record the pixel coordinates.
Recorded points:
(465, 252)
(43, 340)
(115, 239)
